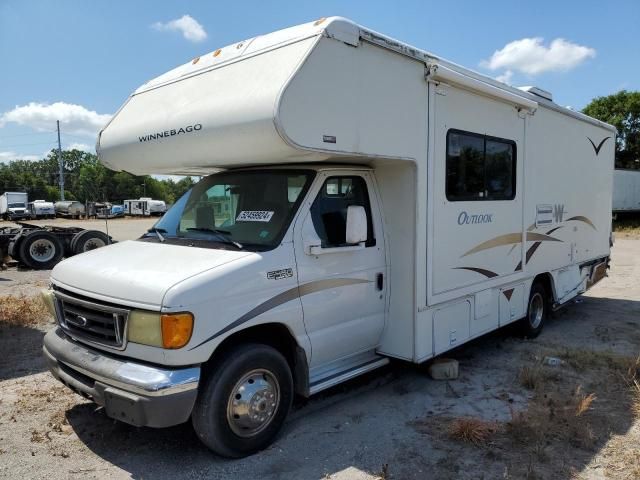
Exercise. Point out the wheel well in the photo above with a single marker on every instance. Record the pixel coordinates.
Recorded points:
(279, 337)
(546, 280)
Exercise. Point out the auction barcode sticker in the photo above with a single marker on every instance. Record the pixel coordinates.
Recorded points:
(254, 216)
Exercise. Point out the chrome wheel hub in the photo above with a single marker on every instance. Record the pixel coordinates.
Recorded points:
(253, 402)
(536, 310)
(42, 250)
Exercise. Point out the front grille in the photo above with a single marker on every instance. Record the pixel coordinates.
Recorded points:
(92, 321)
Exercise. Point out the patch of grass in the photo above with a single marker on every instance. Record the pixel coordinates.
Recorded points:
(530, 377)
(21, 310)
(583, 359)
(472, 430)
(635, 400)
(553, 415)
(584, 402)
(626, 225)
(536, 377)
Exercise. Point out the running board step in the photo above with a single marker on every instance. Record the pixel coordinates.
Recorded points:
(343, 375)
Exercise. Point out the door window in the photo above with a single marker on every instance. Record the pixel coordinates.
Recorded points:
(329, 209)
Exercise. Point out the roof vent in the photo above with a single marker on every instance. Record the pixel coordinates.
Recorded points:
(538, 92)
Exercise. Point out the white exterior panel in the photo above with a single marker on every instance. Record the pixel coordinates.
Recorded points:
(226, 116)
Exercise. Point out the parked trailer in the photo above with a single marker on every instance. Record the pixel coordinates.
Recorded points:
(41, 248)
(70, 209)
(375, 202)
(144, 207)
(41, 209)
(626, 191)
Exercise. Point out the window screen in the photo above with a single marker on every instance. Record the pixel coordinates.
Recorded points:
(480, 167)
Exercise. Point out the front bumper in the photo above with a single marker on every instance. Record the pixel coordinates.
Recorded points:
(135, 393)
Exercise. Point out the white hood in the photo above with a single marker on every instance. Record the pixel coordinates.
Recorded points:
(137, 273)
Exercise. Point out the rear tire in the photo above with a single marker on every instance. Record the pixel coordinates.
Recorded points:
(537, 311)
(243, 401)
(87, 240)
(41, 250)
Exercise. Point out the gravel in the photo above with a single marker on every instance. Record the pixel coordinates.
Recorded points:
(390, 423)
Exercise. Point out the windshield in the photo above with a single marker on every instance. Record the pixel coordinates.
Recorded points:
(248, 209)
(16, 205)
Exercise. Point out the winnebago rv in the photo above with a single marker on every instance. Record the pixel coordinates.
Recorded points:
(626, 191)
(368, 201)
(13, 205)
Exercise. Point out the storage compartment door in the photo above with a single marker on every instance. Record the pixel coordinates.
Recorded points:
(451, 326)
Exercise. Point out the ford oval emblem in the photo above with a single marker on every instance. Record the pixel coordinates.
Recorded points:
(80, 321)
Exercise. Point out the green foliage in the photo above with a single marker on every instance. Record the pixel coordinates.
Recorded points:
(621, 110)
(86, 179)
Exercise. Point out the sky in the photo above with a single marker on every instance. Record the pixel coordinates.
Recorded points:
(77, 61)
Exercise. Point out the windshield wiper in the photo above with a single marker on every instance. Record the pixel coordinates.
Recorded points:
(157, 232)
(223, 234)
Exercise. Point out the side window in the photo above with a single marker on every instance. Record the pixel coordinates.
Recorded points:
(329, 209)
(480, 167)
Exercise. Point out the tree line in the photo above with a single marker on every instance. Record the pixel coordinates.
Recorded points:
(622, 110)
(85, 179)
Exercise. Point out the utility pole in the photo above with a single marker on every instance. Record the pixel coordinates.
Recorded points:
(60, 164)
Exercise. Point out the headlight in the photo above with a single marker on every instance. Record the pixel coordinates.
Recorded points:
(166, 330)
(144, 328)
(49, 300)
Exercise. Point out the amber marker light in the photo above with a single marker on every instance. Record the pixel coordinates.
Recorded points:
(319, 21)
(176, 329)
(195, 60)
(217, 52)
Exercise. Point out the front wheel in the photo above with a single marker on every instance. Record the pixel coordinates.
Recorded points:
(243, 401)
(537, 311)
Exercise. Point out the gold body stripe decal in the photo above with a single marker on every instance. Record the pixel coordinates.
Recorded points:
(581, 218)
(284, 297)
(509, 239)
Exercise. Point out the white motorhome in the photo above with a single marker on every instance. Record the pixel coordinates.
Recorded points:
(13, 205)
(370, 201)
(144, 206)
(626, 191)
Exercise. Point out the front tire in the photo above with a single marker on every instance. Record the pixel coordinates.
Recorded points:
(537, 311)
(243, 401)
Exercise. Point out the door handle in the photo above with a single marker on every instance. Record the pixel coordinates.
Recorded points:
(380, 281)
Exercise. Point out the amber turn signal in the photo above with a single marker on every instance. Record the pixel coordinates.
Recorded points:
(176, 329)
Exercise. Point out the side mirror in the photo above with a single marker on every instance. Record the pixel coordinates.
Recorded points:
(356, 225)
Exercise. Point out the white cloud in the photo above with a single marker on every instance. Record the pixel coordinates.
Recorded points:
(530, 56)
(187, 25)
(80, 146)
(74, 119)
(175, 178)
(10, 156)
(505, 77)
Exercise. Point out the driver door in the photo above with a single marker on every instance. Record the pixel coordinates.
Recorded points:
(342, 286)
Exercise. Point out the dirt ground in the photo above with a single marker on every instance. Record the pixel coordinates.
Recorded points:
(526, 419)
